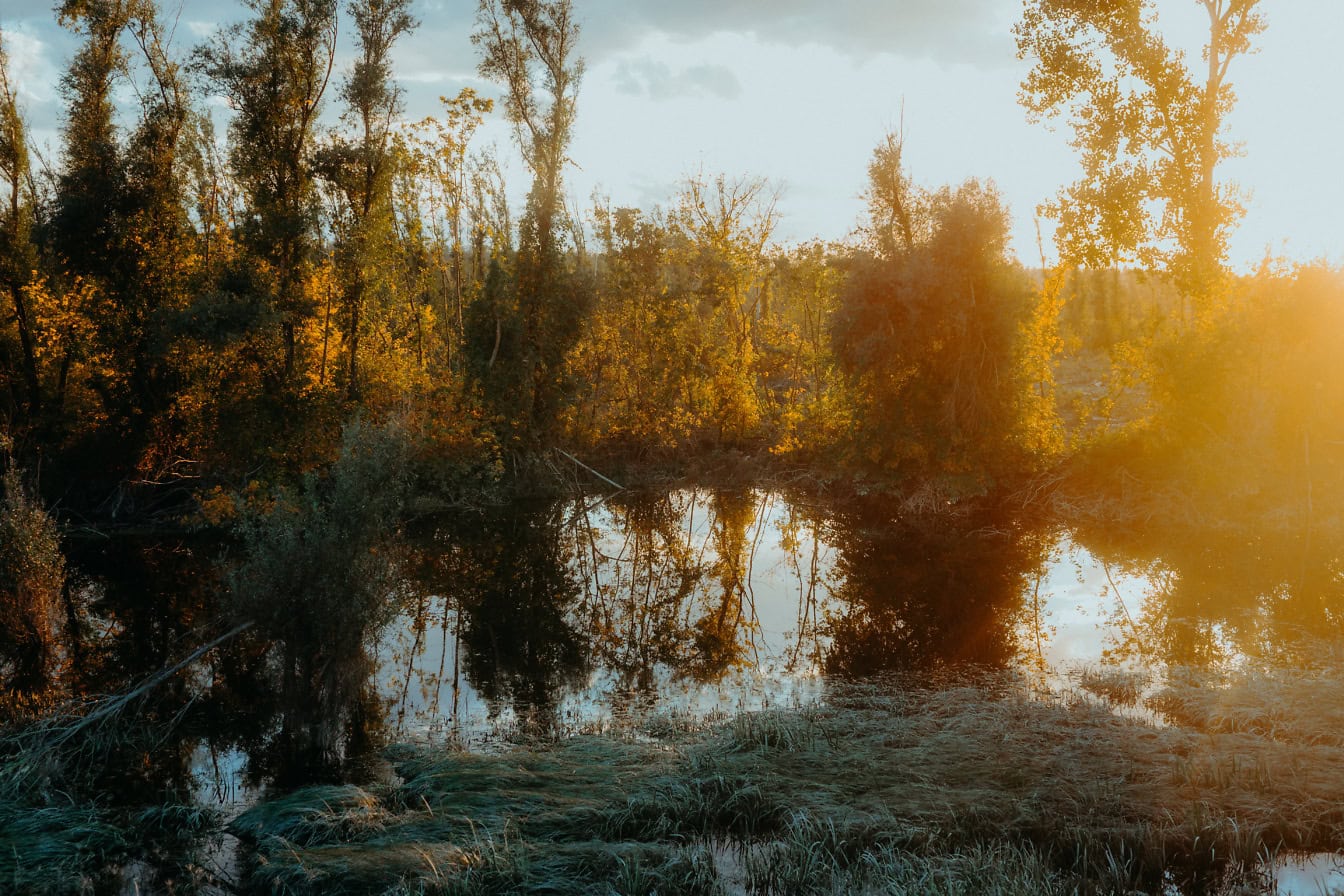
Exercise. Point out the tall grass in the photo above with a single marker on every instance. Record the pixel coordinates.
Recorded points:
(978, 789)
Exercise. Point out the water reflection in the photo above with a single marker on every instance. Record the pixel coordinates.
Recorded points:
(141, 604)
(571, 614)
(508, 593)
(1212, 600)
(548, 617)
(693, 600)
(929, 597)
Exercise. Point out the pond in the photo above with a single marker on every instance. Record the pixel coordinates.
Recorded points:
(578, 615)
(639, 610)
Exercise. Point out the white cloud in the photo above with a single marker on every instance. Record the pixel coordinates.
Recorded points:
(34, 72)
(968, 31)
(659, 81)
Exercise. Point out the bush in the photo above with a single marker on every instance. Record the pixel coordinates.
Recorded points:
(319, 576)
(32, 578)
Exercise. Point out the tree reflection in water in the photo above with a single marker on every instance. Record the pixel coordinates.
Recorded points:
(929, 596)
(552, 615)
(1207, 600)
(614, 603)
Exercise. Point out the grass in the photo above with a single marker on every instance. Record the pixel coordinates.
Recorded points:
(60, 834)
(984, 789)
(54, 849)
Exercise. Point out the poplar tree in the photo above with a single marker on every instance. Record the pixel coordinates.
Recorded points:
(274, 71)
(530, 46)
(120, 227)
(18, 255)
(1147, 124)
(359, 166)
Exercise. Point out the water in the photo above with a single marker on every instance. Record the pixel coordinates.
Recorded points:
(1317, 874)
(650, 613)
(1313, 875)
(587, 614)
(636, 611)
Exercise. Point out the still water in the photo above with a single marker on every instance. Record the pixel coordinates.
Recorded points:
(642, 611)
(632, 609)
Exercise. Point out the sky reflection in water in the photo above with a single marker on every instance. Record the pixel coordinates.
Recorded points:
(576, 616)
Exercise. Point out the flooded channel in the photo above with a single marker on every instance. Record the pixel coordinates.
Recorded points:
(633, 611)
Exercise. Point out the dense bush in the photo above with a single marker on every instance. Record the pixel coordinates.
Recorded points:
(32, 578)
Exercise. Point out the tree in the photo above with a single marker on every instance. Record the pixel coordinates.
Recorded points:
(529, 47)
(893, 200)
(727, 223)
(526, 43)
(120, 225)
(274, 71)
(721, 227)
(359, 167)
(1147, 125)
(157, 244)
(18, 255)
(90, 185)
(437, 193)
(633, 362)
(942, 339)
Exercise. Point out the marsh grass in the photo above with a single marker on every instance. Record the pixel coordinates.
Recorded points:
(979, 789)
(1118, 687)
(322, 814)
(982, 788)
(54, 848)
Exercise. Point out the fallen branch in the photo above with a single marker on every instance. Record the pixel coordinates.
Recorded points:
(114, 704)
(613, 483)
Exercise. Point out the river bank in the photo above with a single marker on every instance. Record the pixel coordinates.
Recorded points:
(992, 785)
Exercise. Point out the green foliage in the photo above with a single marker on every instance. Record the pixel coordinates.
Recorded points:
(18, 256)
(311, 558)
(702, 338)
(274, 69)
(530, 48)
(119, 229)
(359, 169)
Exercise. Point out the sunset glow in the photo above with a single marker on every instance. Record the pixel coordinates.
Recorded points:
(501, 447)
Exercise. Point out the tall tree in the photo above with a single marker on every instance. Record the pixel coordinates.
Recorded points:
(359, 165)
(530, 47)
(156, 239)
(1147, 124)
(441, 185)
(942, 338)
(91, 183)
(120, 226)
(893, 199)
(18, 255)
(274, 71)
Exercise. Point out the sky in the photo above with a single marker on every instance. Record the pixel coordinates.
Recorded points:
(801, 91)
